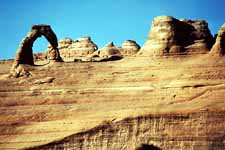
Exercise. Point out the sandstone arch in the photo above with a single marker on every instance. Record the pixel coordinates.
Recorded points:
(24, 54)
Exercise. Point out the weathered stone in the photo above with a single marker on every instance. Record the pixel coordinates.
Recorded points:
(24, 53)
(129, 48)
(108, 51)
(53, 54)
(69, 49)
(218, 48)
(44, 80)
(65, 43)
(83, 46)
(169, 36)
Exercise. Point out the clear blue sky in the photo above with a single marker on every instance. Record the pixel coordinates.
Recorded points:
(103, 20)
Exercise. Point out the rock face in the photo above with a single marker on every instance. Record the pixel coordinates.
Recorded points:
(24, 53)
(172, 36)
(109, 51)
(129, 48)
(84, 48)
(81, 47)
(218, 48)
(153, 132)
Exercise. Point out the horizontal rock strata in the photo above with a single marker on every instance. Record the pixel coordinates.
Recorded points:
(169, 36)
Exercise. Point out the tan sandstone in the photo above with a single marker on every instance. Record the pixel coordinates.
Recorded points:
(170, 36)
(129, 48)
(218, 48)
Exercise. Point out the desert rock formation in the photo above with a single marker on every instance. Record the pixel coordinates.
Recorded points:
(24, 53)
(129, 48)
(108, 52)
(70, 49)
(169, 36)
(137, 103)
(84, 48)
(218, 48)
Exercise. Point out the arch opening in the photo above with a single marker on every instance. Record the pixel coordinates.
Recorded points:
(24, 54)
(39, 51)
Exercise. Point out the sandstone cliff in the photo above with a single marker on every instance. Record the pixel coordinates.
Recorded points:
(170, 36)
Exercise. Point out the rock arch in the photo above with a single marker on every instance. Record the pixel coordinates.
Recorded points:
(24, 54)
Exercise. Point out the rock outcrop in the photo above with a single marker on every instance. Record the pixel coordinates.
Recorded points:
(24, 53)
(108, 52)
(129, 48)
(65, 43)
(153, 132)
(70, 49)
(169, 36)
(83, 46)
(218, 48)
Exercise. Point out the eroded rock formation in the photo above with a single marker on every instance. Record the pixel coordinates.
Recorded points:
(108, 52)
(70, 49)
(172, 36)
(134, 104)
(83, 46)
(194, 131)
(24, 53)
(65, 43)
(129, 48)
(218, 48)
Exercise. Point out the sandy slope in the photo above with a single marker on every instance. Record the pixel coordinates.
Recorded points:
(85, 95)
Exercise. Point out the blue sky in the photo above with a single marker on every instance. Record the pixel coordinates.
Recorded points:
(103, 20)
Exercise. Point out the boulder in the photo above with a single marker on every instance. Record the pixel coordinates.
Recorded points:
(169, 36)
(218, 48)
(129, 48)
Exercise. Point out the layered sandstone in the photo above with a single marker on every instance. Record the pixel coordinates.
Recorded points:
(71, 49)
(116, 105)
(129, 48)
(218, 48)
(107, 52)
(169, 36)
(83, 46)
(65, 43)
(197, 131)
